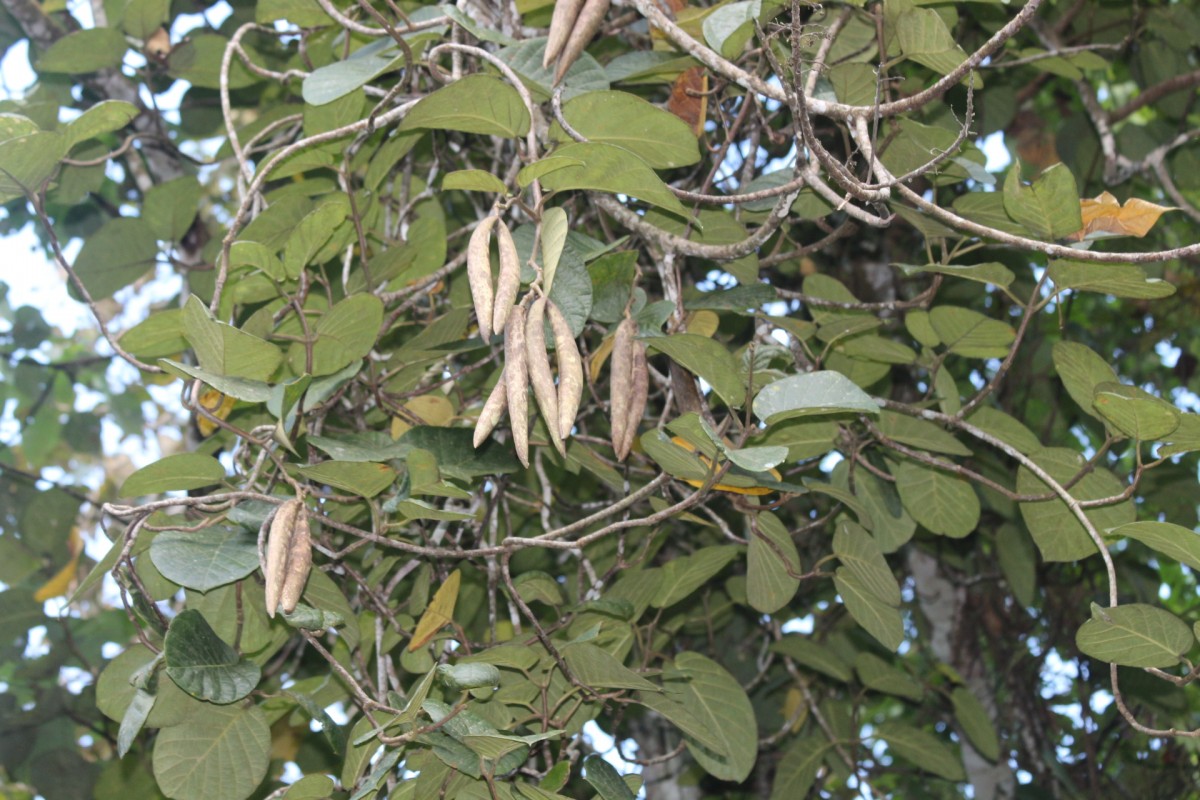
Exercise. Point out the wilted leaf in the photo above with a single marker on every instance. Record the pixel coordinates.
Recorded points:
(438, 613)
(689, 98)
(1104, 216)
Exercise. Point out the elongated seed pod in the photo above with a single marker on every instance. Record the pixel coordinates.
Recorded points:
(275, 570)
(516, 374)
(639, 390)
(509, 280)
(479, 275)
(540, 376)
(299, 562)
(570, 370)
(493, 410)
(590, 18)
(565, 12)
(620, 381)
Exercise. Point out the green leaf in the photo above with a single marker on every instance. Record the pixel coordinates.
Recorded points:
(658, 137)
(144, 17)
(84, 51)
(969, 333)
(572, 290)
(115, 256)
(923, 750)
(1006, 428)
(104, 117)
(605, 779)
(683, 575)
(1119, 280)
(1057, 533)
(170, 207)
(356, 477)
(585, 75)
(608, 168)
(877, 674)
(943, 503)
(1185, 439)
(991, 272)
(345, 334)
(311, 787)
(1049, 209)
(1135, 412)
(924, 38)
(539, 586)
(544, 166)
(975, 722)
(369, 446)
(891, 526)
(822, 392)
(707, 359)
(335, 81)
(134, 719)
(474, 180)
(920, 434)
(555, 228)
(598, 669)
(115, 690)
(1081, 371)
(813, 655)
(1174, 541)
(226, 350)
(987, 208)
(769, 585)
(474, 104)
(1135, 635)
(203, 665)
(877, 617)
(207, 558)
(798, 767)
(174, 473)
(309, 236)
(222, 752)
(1018, 562)
(239, 388)
(718, 701)
(456, 458)
(861, 556)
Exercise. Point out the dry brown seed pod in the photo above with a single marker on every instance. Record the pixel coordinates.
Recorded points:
(493, 410)
(509, 280)
(516, 371)
(639, 391)
(540, 376)
(565, 12)
(590, 18)
(570, 370)
(620, 381)
(479, 275)
(278, 542)
(299, 562)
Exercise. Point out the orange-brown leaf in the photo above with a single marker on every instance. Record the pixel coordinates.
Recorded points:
(1104, 216)
(689, 98)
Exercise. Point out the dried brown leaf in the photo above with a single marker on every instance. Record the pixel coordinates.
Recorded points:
(1104, 216)
(689, 98)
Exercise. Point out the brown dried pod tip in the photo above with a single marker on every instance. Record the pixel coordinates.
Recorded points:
(479, 275)
(493, 410)
(639, 391)
(540, 376)
(516, 372)
(620, 383)
(565, 13)
(570, 370)
(289, 557)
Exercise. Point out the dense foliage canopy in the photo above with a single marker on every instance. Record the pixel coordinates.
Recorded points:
(684, 378)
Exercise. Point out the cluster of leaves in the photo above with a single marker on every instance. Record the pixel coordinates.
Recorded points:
(861, 520)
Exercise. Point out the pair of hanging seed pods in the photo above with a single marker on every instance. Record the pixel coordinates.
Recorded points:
(573, 25)
(289, 557)
(527, 360)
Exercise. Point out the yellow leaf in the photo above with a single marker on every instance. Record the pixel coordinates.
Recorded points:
(400, 427)
(215, 403)
(432, 409)
(1104, 216)
(702, 322)
(60, 584)
(756, 491)
(438, 613)
(599, 356)
(794, 706)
